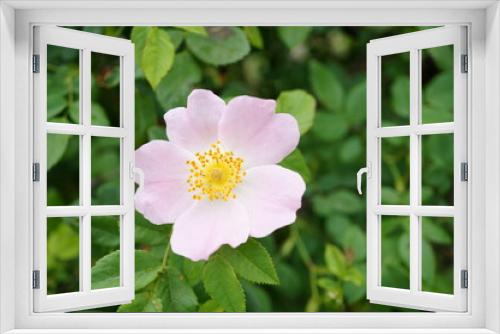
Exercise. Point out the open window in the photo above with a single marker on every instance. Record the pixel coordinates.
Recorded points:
(421, 122)
(82, 134)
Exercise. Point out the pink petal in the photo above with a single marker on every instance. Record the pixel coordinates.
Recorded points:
(272, 195)
(195, 127)
(253, 131)
(164, 195)
(206, 226)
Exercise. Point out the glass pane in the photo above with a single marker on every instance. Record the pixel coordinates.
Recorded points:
(395, 239)
(437, 254)
(63, 249)
(63, 178)
(395, 89)
(395, 170)
(63, 84)
(105, 234)
(437, 84)
(105, 163)
(105, 89)
(437, 169)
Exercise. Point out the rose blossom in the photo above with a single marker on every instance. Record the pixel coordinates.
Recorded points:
(216, 178)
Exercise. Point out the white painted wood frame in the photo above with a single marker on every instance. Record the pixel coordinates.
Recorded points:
(86, 44)
(17, 17)
(414, 44)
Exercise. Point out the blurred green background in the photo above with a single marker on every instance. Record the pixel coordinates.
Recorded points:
(319, 74)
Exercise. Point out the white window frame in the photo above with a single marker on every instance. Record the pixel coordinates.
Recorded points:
(413, 44)
(17, 18)
(86, 44)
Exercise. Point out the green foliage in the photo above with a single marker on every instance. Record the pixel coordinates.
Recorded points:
(300, 105)
(317, 75)
(222, 46)
(252, 262)
(293, 36)
(157, 56)
(223, 286)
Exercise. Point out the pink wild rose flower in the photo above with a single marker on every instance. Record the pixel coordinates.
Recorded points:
(216, 178)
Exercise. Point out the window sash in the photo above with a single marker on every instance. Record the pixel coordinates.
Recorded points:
(413, 43)
(86, 43)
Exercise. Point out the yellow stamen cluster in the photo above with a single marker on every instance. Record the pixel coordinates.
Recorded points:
(214, 174)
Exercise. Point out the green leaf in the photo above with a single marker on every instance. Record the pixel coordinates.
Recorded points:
(194, 30)
(210, 306)
(443, 57)
(138, 37)
(258, 299)
(330, 127)
(145, 301)
(55, 104)
(56, 146)
(300, 105)
(342, 201)
(439, 92)
(223, 286)
(176, 36)
(175, 292)
(156, 132)
(63, 243)
(356, 104)
(252, 262)
(174, 89)
(351, 150)
(98, 115)
(192, 271)
(354, 243)
(428, 263)
(435, 233)
(222, 46)
(332, 288)
(106, 271)
(296, 162)
(150, 234)
(326, 86)
(400, 95)
(293, 36)
(335, 260)
(157, 56)
(105, 231)
(254, 36)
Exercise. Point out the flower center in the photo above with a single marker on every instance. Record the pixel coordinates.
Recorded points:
(214, 174)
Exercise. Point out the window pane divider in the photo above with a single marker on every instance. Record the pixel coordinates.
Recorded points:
(418, 129)
(80, 129)
(418, 210)
(79, 211)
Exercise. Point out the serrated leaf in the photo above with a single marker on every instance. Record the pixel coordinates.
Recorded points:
(157, 56)
(106, 271)
(222, 46)
(300, 105)
(138, 37)
(194, 30)
(252, 262)
(175, 292)
(293, 36)
(150, 234)
(145, 301)
(296, 162)
(326, 86)
(174, 89)
(210, 306)
(223, 286)
(258, 299)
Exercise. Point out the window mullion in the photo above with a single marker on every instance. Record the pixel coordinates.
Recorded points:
(85, 168)
(415, 184)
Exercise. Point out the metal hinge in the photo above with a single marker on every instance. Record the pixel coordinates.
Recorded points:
(36, 63)
(36, 172)
(464, 279)
(464, 171)
(465, 64)
(36, 279)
